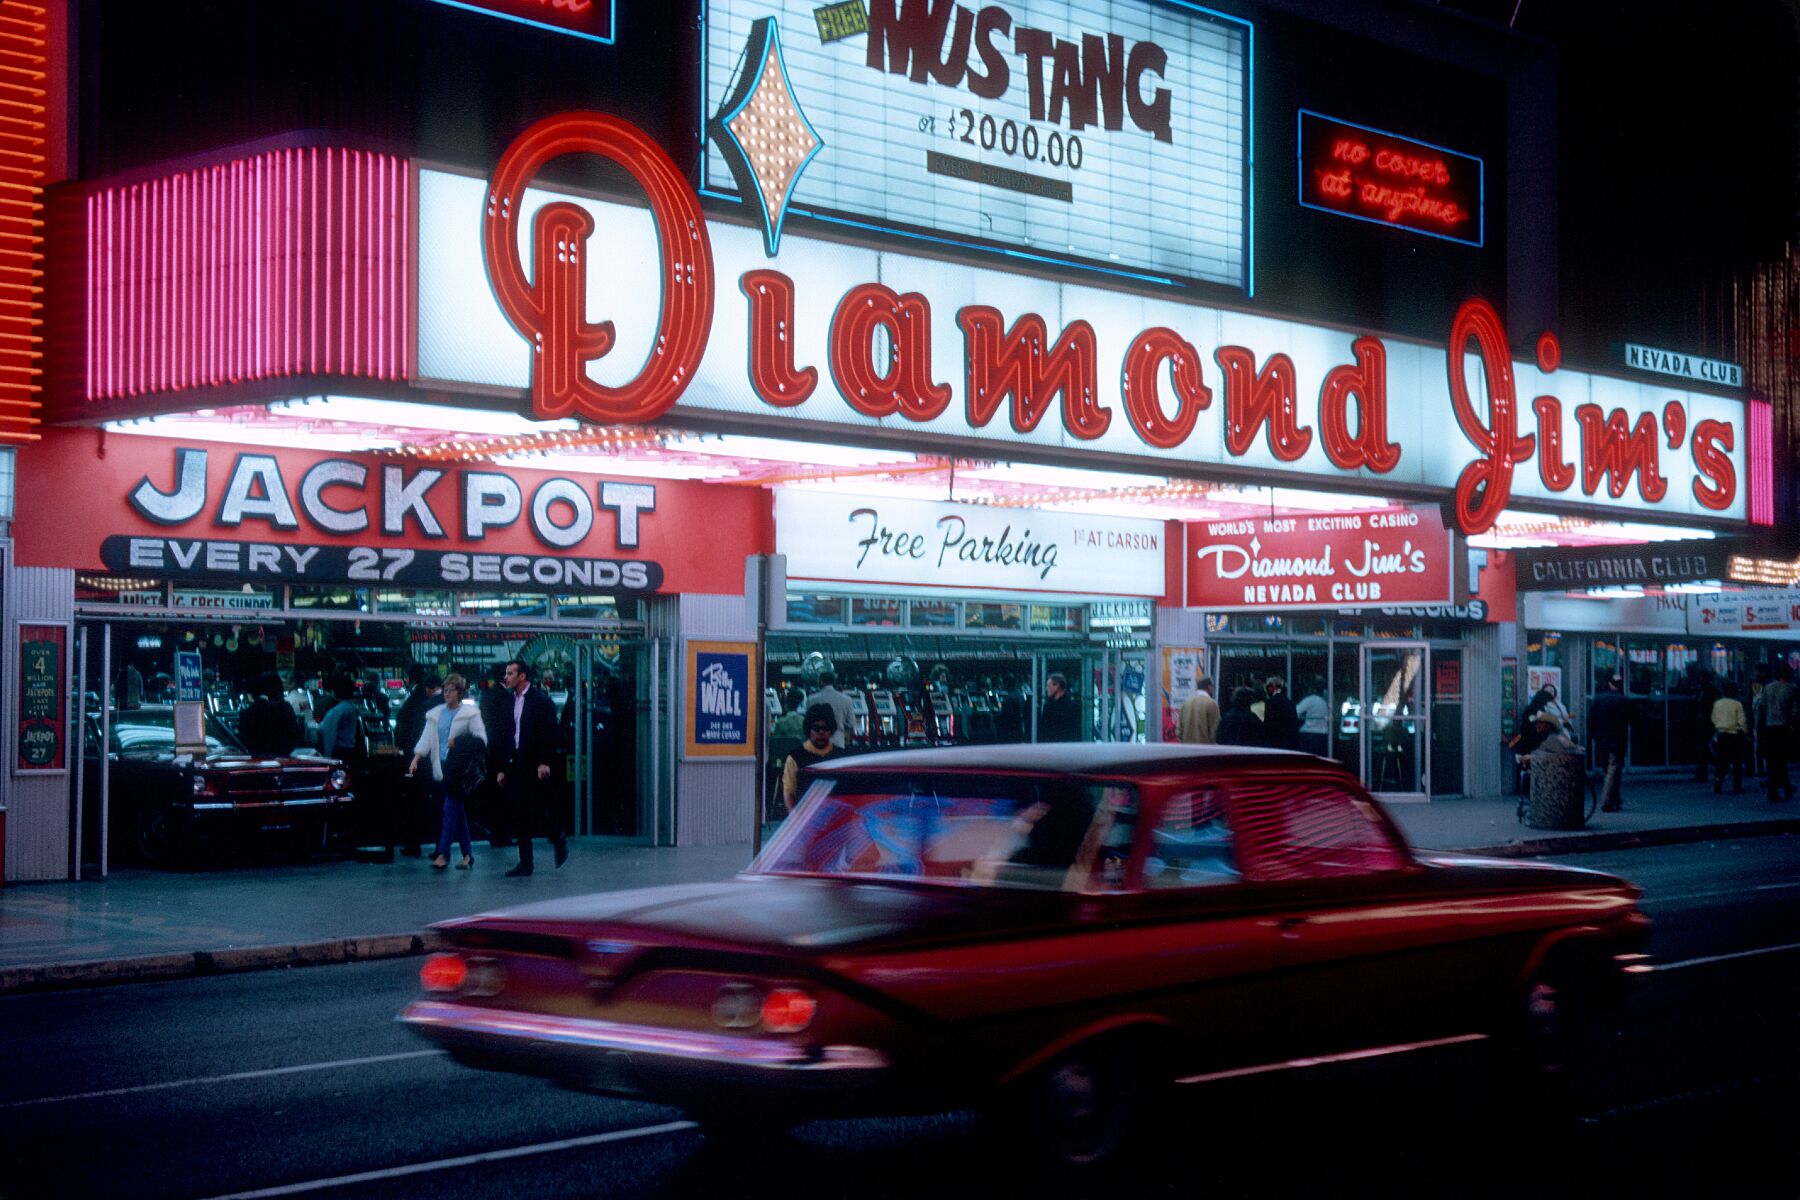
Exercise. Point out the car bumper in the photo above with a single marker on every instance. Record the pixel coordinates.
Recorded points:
(672, 1065)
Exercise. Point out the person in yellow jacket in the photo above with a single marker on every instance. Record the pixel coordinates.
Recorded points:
(1199, 719)
(1731, 736)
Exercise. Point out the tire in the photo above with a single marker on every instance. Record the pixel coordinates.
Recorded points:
(1085, 1112)
(1540, 1050)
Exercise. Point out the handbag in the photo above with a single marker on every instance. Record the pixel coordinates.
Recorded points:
(466, 769)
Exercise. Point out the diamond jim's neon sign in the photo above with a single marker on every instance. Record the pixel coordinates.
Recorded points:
(1020, 369)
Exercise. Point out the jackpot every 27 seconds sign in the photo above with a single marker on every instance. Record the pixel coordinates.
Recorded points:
(1112, 133)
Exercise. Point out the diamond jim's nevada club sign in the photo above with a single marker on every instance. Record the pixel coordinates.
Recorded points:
(836, 338)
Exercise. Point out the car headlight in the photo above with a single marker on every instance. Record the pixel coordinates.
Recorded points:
(340, 779)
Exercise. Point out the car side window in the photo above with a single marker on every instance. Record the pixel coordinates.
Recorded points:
(1192, 844)
(1310, 829)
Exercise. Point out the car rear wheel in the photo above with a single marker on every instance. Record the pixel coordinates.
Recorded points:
(1085, 1110)
(1539, 1053)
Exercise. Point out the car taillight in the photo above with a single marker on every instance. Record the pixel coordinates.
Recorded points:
(339, 779)
(200, 785)
(444, 973)
(787, 1010)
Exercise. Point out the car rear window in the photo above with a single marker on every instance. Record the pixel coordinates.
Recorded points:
(1044, 834)
(1309, 829)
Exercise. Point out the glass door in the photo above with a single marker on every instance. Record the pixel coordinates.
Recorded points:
(1396, 724)
(614, 732)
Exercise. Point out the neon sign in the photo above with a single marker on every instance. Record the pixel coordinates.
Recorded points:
(1356, 171)
(589, 19)
(837, 339)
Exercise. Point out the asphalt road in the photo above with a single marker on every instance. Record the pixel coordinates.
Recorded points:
(299, 1083)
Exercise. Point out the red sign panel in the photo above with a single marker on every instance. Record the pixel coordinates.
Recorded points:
(1360, 172)
(590, 19)
(1321, 560)
(161, 508)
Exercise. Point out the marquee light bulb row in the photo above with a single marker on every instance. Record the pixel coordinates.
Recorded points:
(608, 438)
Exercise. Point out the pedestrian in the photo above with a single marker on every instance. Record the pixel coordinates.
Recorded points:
(268, 726)
(494, 700)
(1199, 720)
(1060, 719)
(1706, 695)
(1609, 724)
(820, 724)
(1315, 723)
(1759, 679)
(450, 734)
(340, 731)
(1281, 724)
(1240, 725)
(841, 708)
(300, 699)
(409, 723)
(1730, 738)
(526, 742)
(1774, 726)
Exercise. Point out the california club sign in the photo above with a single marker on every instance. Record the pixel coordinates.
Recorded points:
(850, 341)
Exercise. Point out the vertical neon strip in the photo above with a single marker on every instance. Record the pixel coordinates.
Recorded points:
(406, 289)
(1761, 463)
(135, 299)
(378, 363)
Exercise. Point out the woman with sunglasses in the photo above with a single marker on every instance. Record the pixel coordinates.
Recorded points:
(821, 723)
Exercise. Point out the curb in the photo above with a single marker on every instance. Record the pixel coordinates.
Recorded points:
(53, 977)
(1627, 839)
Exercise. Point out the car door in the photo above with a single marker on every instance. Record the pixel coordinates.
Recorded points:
(1369, 957)
(1202, 933)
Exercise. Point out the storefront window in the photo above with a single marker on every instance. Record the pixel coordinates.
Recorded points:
(875, 611)
(982, 615)
(595, 608)
(331, 598)
(1055, 618)
(225, 599)
(416, 601)
(1347, 627)
(932, 614)
(1217, 622)
(1605, 657)
(504, 604)
(1309, 626)
(1254, 623)
(807, 609)
(118, 589)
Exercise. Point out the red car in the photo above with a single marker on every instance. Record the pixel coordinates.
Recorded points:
(1058, 930)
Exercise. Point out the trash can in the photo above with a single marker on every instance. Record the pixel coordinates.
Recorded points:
(1558, 787)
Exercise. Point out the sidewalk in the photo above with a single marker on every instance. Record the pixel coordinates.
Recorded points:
(152, 925)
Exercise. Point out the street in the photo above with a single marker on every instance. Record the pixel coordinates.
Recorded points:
(300, 1083)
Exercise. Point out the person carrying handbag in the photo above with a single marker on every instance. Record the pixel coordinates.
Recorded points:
(455, 743)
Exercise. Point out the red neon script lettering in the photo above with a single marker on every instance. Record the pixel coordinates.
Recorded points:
(1143, 363)
(1014, 364)
(772, 371)
(905, 386)
(1485, 485)
(1367, 381)
(548, 312)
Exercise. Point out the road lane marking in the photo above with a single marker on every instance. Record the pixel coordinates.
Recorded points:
(1719, 958)
(232, 1078)
(1323, 1060)
(467, 1160)
(1761, 887)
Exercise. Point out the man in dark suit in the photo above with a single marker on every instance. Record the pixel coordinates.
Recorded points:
(525, 740)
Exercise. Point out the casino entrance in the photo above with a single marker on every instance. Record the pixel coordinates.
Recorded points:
(591, 654)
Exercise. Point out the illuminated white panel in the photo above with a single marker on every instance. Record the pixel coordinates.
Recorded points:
(1129, 199)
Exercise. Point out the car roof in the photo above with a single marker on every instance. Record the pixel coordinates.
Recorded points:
(1074, 758)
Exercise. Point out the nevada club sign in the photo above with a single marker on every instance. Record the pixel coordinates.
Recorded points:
(840, 339)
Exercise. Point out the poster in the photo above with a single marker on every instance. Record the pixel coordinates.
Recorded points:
(43, 699)
(1509, 697)
(1182, 667)
(720, 717)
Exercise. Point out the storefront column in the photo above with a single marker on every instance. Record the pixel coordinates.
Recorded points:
(714, 799)
(38, 840)
(1484, 761)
